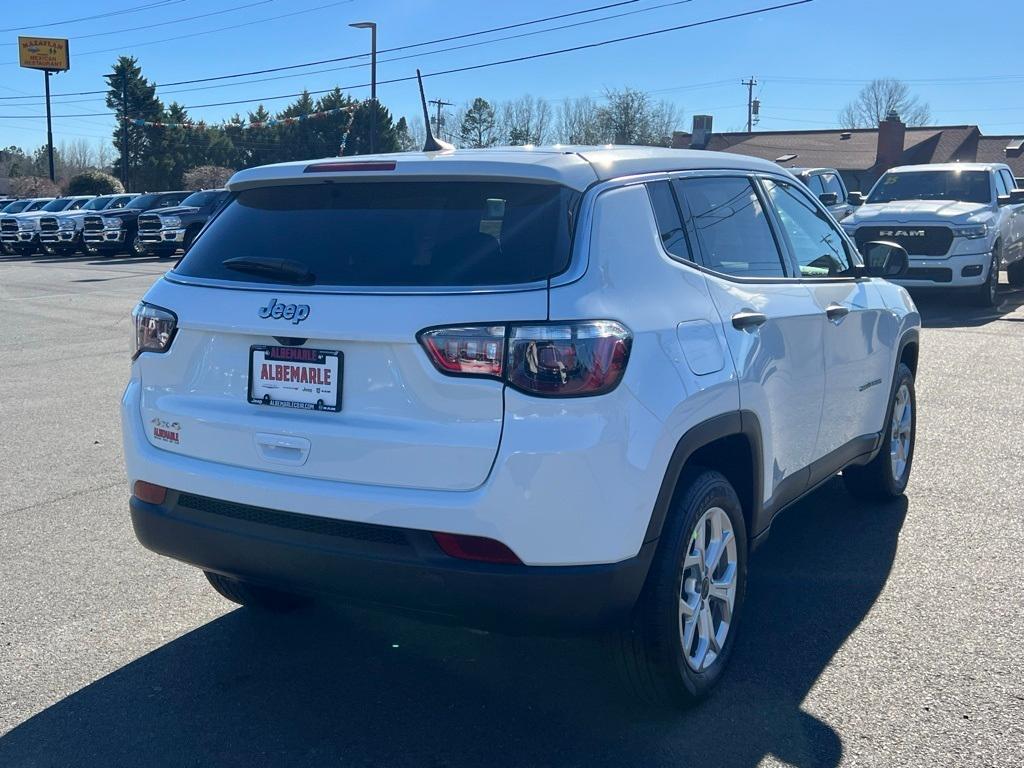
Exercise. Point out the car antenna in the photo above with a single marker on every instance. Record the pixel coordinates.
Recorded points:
(431, 144)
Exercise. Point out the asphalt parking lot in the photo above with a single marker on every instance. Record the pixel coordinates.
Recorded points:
(873, 636)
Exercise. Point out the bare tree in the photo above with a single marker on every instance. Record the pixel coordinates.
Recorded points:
(104, 154)
(630, 116)
(527, 120)
(579, 122)
(76, 156)
(880, 97)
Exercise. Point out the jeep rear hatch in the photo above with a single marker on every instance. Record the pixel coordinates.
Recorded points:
(296, 344)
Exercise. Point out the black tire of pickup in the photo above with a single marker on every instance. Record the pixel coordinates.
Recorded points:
(1015, 273)
(253, 595)
(987, 294)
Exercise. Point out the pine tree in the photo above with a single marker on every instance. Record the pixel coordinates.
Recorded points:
(359, 134)
(139, 103)
(479, 125)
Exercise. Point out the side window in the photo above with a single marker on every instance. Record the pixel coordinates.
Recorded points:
(832, 183)
(670, 225)
(1001, 185)
(731, 225)
(819, 248)
(1008, 178)
(814, 184)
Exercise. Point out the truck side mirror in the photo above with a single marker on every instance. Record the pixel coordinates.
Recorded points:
(1016, 196)
(885, 259)
(855, 198)
(829, 198)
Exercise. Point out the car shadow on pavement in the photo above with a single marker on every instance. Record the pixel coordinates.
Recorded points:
(348, 687)
(952, 309)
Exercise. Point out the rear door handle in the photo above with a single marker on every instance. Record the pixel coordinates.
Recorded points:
(836, 312)
(747, 318)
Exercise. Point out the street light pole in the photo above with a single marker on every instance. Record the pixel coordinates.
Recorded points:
(372, 26)
(49, 123)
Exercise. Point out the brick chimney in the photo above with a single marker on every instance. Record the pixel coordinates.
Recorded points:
(891, 133)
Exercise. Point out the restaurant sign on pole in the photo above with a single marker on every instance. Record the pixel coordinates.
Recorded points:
(46, 53)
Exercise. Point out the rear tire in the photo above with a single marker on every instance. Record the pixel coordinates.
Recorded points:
(682, 631)
(885, 476)
(1015, 273)
(252, 595)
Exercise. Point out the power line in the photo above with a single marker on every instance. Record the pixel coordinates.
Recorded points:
(107, 15)
(350, 57)
(165, 23)
(501, 62)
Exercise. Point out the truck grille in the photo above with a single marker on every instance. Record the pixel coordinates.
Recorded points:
(149, 221)
(92, 223)
(919, 241)
(9, 225)
(48, 224)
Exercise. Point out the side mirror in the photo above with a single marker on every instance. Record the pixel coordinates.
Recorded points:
(1016, 196)
(884, 259)
(829, 198)
(855, 198)
(1003, 199)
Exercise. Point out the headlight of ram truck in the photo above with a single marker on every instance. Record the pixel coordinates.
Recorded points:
(170, 222)
(66, 222)
(972, 231)
(112, 223)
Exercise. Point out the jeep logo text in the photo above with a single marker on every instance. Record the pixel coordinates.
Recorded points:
(278, 311)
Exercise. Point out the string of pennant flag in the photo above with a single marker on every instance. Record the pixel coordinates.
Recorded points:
(200, 125)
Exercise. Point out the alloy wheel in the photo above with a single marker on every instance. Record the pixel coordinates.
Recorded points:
(708, 589)
(900, 432)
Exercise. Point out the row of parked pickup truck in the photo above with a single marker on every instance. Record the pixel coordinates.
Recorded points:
(152, 223)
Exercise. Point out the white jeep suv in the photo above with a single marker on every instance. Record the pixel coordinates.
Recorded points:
(960, 223)
(533, 389)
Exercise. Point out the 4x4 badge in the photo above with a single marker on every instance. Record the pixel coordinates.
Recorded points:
(278, 311)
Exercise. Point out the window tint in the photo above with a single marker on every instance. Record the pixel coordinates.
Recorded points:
(76, 205)
(730, 223)
(814, 184)
(1001, 185)
(965, 186)
(394, 233)
(1008, 178)
(831, 183)
(120, 202)
(818, 246)
(206, 197)
(166, 201)
(670, 225)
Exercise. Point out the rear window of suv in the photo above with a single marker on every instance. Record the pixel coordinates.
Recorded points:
(394, 233)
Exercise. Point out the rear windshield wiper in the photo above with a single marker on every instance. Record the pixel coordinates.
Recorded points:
(285, 269)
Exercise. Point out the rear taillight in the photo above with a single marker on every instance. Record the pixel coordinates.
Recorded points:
(154, 328)
(552, 359)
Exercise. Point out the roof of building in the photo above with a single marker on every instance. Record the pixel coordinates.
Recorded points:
(857, 149)
(574, 166)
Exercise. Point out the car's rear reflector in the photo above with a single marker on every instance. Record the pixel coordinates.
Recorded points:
(344, 167)
(149, 493)
(477, 548)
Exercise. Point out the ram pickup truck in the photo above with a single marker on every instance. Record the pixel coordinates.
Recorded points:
(828, 185)
(117, 231)
(62, 234)
(9, 229)
(25, 239)
(959, 222)
(164, 230)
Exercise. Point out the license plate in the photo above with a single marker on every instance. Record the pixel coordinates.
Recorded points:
(296, 377)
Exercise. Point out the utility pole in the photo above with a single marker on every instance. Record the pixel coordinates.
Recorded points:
(750, 102)
(440, 104)
(372, 26)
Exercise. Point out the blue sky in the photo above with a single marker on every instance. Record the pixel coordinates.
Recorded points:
(809, 60)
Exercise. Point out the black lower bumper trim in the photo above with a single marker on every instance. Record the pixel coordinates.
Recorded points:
(394, 568)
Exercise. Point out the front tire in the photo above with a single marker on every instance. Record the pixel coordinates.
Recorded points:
(987, 294)
(253, 595)
(886, 476)
(137, 249)
(682, 631)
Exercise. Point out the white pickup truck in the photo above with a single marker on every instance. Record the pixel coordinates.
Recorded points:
(959, 222)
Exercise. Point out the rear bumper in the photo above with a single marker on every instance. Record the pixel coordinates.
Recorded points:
(394, 568)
